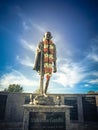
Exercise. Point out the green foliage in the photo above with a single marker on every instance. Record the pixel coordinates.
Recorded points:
(14, 88)
(91, 92)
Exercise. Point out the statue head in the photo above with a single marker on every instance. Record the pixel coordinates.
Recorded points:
(48, 35)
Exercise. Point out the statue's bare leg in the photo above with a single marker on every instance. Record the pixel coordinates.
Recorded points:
(46, 87)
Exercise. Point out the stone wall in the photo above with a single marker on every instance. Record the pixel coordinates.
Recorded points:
(12, 116)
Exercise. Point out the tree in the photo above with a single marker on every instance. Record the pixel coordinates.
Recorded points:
(14, 88)
(91, 92)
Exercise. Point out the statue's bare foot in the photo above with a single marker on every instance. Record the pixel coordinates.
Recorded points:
(45, 95)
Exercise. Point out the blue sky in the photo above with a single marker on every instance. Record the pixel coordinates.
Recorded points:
(74, 27)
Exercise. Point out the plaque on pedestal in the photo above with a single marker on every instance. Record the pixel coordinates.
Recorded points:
(47, 120)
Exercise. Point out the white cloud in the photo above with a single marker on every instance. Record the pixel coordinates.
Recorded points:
(86, 85)
(95, 74)
(28, 46)
(94, 81)
(16, 77)
(41, 29)
(27, 61)
(26, 26)
(69, 74)
(93, 57)
(93, 54)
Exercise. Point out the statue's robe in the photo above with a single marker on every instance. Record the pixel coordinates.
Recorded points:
(42, 46)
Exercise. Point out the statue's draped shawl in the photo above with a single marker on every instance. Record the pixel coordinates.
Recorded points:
(49, 56)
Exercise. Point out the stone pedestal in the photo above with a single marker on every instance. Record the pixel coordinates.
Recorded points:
(41, 100)
(46, 117)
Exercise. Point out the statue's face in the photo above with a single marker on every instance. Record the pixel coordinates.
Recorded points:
(47, 36)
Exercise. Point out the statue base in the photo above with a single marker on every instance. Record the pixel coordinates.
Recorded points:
(46, 117)
(41, 100)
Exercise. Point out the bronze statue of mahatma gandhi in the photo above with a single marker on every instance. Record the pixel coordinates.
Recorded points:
(45, 61)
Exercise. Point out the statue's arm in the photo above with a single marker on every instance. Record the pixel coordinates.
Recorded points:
(36, 60)
(38, 47)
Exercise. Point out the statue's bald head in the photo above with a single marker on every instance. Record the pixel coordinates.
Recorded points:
(47, 35)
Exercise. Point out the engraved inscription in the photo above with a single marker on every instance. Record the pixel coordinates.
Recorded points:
(47, 120)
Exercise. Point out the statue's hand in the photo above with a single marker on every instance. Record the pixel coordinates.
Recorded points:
(54, 69)
(38, 50)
